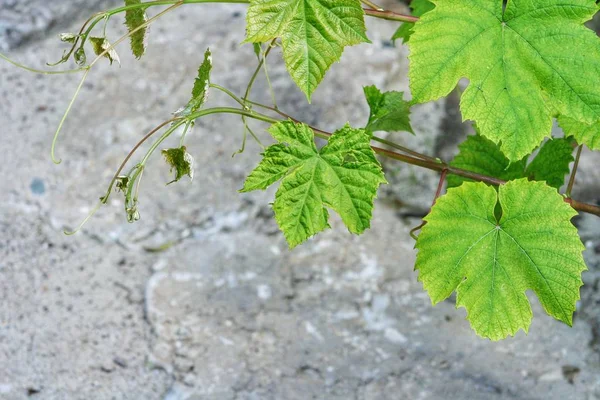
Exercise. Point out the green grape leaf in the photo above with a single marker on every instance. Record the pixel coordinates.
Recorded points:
(344, 175)
(313, 33)
(552, 162)
(101, 45)
(418, 7)
(201, 88)
(180, 161)
(491, 261)
(389, 111)
(584, 133)
(135, 18)
(478, 154)
(525, 64)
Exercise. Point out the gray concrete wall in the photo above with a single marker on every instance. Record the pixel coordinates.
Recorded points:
(23, 20)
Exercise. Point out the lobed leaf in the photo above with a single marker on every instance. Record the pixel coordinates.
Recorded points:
(526, 63)
(313, 33)
(588, 134)
(552, 162)
(478, 154)
(492, 261)
(344, 175)
(389, 111)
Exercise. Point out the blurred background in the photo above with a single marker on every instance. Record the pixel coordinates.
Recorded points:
(201, 299)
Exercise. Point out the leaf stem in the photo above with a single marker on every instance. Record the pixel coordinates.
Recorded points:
(130, 33)
(375, 138)
(230, 94)
(85, 220)
(574, 172)
(185, 132)
(255, 75)
(583, 207)
(438, 193)
(65, 115)
(131, 153)
(41, 71)
(377, 12)
(372, 5)
(88, 69)
(391, 16)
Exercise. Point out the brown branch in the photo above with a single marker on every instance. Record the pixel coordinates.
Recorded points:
(438, 165)
(584, 207)
(442, 166)
(390, 16)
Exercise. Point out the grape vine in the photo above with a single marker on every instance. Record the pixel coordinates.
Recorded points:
(503, 226)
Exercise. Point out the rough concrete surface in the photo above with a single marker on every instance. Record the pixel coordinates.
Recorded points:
(23, 20)
(227, 311)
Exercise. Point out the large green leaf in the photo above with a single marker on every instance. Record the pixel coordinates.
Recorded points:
(313, 33)
(492, 261)
(344, 175)
(389, 111)
(588, 134)
(525, 64)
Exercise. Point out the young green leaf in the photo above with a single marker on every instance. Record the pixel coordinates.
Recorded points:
(133, 214)
(491, 262)
(180, 161)
(313, 33)
(552, 162)
(344, 175)
(584, 133)
(100, 45)
(389, 111)
(122, 183)
(525, 64)
(68, 37)
(478, 154)
(418, 7)
(80, 57)
(201, 87)
(257, 50)
(135, 18)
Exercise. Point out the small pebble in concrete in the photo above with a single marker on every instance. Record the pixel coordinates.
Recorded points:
(37, 186)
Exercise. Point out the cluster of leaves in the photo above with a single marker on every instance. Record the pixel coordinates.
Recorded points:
(527, 64)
